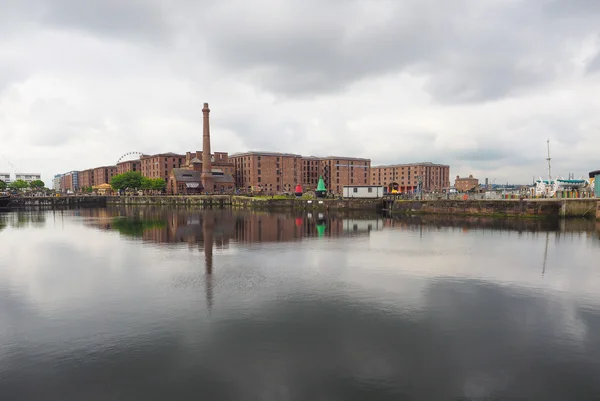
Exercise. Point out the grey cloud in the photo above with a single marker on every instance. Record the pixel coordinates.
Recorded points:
(594, 65)
(572, 8)
(501, 49)
(469, 51)
(130, 19)
(483, 154)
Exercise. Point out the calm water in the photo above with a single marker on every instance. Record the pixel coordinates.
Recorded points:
(159, 304)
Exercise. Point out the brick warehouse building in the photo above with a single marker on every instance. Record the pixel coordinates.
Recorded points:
(338, 171)
(86, 178)
(267, 171)
(160, 165)
(466, 184)
(103, 175)
(281, 172)
(405, 177)
(129, 165)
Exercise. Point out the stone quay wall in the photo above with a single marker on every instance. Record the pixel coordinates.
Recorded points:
(526, 208)
(57, 201)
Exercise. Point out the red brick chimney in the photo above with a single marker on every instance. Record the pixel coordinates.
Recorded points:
(207, 178)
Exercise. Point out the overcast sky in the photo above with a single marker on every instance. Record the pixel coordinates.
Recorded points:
(479, 85)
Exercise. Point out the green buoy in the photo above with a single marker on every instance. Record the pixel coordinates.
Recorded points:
(321, 230)
(321, 190)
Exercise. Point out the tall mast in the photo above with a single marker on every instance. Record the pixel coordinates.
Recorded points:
(549, 164)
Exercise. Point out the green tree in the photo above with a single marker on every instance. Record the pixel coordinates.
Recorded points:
(37, 184)
(146, 183)
(131, 180)
(153, 184)
(2, 185)
(18, 185)
(158, 184)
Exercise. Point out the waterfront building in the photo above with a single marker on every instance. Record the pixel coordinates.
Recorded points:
(281, 172)
(103, 175)
(364, 191)
(219, 160)
(5, 177)
(56, 182)
(160, 165)
(86, 178)
(69, 182)
(28, 177)
(129, 165)
(203, 172)
(406, 177)
(266, 171)
(466, 184)
(338, 171)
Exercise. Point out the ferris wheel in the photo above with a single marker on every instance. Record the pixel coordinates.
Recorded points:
(128, 154)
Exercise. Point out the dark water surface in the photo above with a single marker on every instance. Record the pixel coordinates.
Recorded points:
(162, 304)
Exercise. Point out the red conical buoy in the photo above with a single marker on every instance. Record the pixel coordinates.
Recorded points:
(298, 190)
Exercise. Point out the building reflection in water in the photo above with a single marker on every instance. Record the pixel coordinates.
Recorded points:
(221, 227)
(207, 230)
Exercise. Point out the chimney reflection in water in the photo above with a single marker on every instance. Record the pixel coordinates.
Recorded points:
(207, 233)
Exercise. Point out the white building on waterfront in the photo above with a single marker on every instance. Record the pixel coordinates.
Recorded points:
(56, 182)
(363, 191)
(5, 177)
(28, 177)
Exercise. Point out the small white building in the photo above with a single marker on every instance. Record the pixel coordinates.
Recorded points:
(363, 191)
(5, 177)
(28, 177)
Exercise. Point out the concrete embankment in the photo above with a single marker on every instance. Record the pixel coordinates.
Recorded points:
(527, 208)
(57, 201)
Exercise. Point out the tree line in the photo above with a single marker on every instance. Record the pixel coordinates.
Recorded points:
(135, 181)
(20, 185)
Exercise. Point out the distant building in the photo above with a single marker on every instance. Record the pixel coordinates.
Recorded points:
(86, 178)
(281, 172)
(202, 172)
(364, 191)
(466, 184)
(28, 177)
(160, 165)
(5, 177)
(184, 181)
(266, 171)
(219, 161)
(129, 165)
(338, 171)
(103, 175)
(69, 182)
(405, 177)
(56, 182)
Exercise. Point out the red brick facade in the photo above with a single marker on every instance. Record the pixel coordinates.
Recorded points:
(340, 171)
(266, 171)
(280, 172)
(160, 166)
(103, 175)
(466, 184)
(405, 177)
(86, 179)
(220, 161)
(129, 165)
